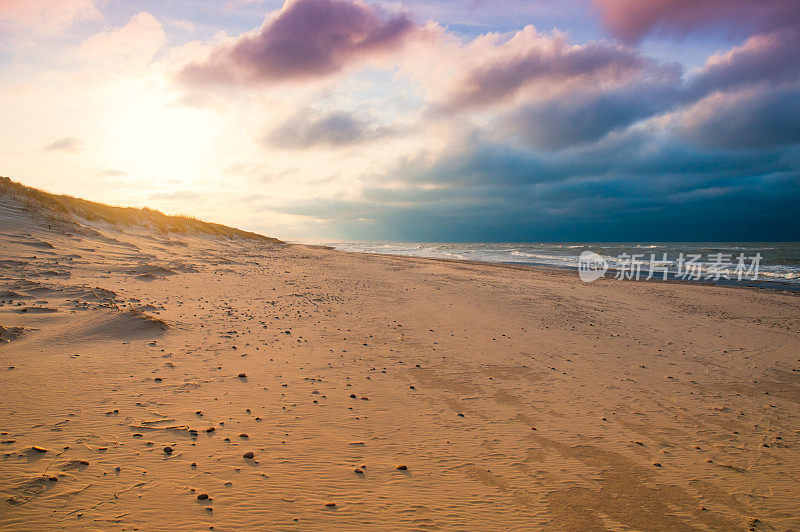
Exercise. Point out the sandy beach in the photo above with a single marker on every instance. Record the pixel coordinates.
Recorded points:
(163, 381)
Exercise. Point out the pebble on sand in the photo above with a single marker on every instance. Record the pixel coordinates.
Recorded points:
(249, 455)
(202, 497)
(242, 375)
(402, 468)
(168, 450)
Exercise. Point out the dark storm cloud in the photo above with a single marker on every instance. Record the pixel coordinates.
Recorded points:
(747, 120)
(582, 117)
(306, 39)
(628, 186)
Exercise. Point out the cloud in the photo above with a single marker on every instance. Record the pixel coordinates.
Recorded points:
(631, 20)
(745, 120)
(769, 58)
(65, 144)
(632, 186)
(587, 116)
(45, 15)
(130, 46)
(111, 173)
(501, 71)
(311, 129)
(306, 39)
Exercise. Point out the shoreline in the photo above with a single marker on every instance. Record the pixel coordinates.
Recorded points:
(760, 284)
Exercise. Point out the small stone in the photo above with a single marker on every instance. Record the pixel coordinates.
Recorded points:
(402, 468)
(243, 435)
(202, 497)
(352, 396)
(657, 464)
(39, 449)
(358, 472)
(330, 504)
(249, 455)
(168, 450)
(242, 375)
(210, 429)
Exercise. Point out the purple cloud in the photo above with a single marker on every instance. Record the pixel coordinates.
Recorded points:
(631, 20)
(306, 39)
(510, 68)
(770, 58)
(309, 129)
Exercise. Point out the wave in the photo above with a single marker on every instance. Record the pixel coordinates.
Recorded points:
(779, 261)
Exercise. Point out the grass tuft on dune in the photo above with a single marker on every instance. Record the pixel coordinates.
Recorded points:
(63, 208)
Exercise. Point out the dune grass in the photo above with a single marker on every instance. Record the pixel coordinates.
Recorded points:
(63, 206)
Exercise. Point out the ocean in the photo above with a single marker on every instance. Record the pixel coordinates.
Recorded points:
(768, 262)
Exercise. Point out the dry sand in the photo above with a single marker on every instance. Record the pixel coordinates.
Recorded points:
(516, 399)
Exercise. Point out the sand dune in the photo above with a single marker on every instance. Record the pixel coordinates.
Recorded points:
(249, 384)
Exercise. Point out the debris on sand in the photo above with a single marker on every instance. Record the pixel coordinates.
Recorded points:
(9, 334)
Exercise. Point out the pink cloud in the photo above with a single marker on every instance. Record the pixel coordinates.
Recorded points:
(306, 39)
(631, 20)
(770, 58)
(498, 72)
(46, 14)
(129, 46)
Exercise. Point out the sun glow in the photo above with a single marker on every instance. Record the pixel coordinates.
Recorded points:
(159, 143)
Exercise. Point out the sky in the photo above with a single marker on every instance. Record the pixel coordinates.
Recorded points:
(438, 120)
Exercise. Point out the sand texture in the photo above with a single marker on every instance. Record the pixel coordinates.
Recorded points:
(140, 368)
